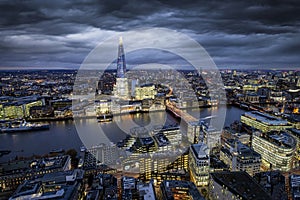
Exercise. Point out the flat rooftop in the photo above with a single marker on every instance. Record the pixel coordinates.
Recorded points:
(281, 139)
(266, 118)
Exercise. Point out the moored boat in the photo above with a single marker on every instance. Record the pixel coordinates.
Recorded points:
(23, 126)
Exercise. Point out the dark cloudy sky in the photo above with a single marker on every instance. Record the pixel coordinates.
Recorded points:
(60, 34)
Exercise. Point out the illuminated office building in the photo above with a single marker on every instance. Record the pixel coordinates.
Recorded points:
(296, 134)
(277, 149)
(157, 157)
(199, 164)
(264, 122)
(210, 136)
(145, 92)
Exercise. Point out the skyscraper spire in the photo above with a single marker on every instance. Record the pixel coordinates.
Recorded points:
(121, 64)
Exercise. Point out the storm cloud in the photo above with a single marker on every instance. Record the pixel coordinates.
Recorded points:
(60, 34)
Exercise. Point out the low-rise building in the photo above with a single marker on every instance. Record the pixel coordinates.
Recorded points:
(58, 185)
(178, 190)
(273, 182)
(13, 173)
(240, 157)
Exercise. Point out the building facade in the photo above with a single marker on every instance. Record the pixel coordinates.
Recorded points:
(199, 164)
(277, 149)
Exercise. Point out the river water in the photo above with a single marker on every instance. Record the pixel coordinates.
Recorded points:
(64, 134)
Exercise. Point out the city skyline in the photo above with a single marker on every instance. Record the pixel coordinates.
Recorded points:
(60, 35)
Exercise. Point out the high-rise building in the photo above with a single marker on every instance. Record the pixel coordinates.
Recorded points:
(121, 64)
(121, 89)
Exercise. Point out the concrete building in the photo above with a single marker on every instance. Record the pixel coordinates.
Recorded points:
(240, 157)
(104, 154)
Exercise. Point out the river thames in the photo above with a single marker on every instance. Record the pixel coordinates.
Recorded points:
(63, 134)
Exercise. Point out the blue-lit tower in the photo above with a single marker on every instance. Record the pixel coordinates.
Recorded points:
(121, 89)
(121, 64)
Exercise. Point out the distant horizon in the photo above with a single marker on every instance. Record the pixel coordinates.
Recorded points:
(186, 68)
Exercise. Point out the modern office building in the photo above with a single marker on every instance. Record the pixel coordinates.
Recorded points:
(104, 154)
(210, 136)
(296, 134)
(264, 122)
(236, 186)
(159, 168)
(199, 164)
(157, 157)
(121, 63)
(145, 92)
(240, 157)
(277, 149)
(121, 89)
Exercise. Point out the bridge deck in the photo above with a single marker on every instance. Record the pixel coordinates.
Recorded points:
(184, 115)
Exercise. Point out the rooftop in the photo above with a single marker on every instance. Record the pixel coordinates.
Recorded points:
(147, 191)
(182, 188)
(200, 150)
(242, 184)
(243, 150)
(265, 118)
(33, 165)
(280, 138)
(40, 189)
